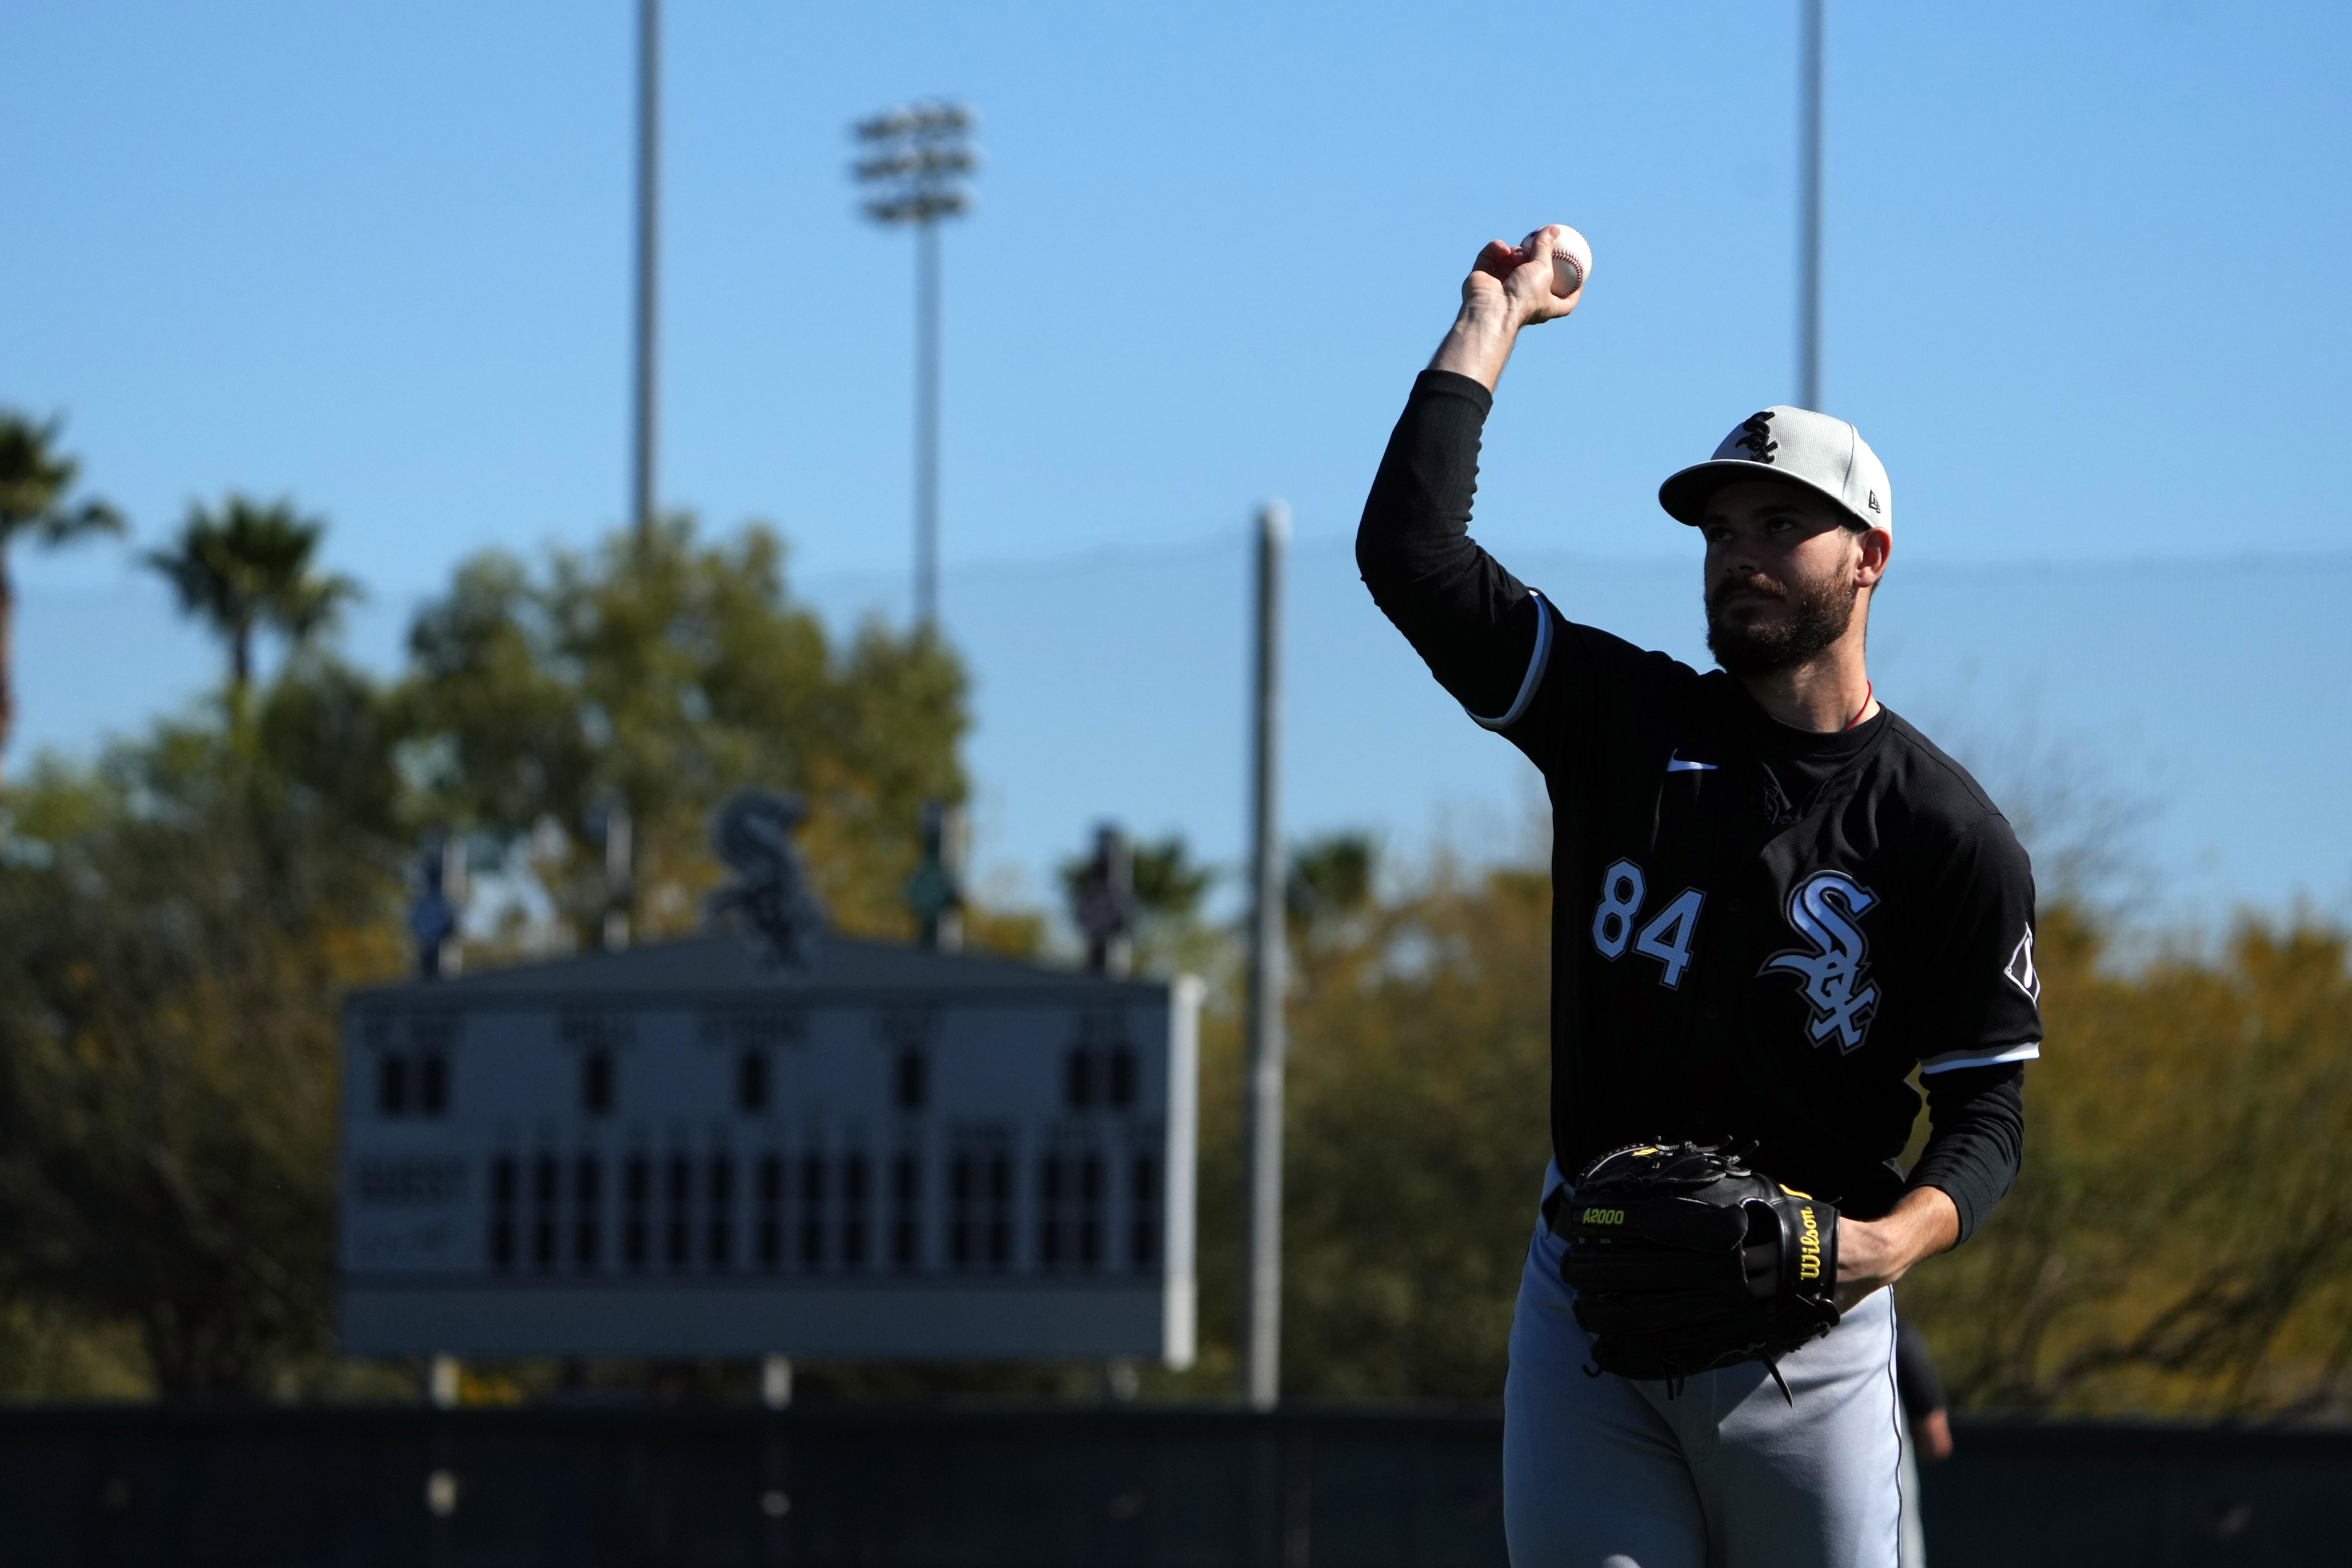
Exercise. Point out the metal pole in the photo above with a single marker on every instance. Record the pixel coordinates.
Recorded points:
(927, 422)
(1262, 1303)
(620, 893)
(641, 478)
(1808, 221)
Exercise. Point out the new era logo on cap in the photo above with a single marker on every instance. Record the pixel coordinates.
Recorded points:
(1795, 445)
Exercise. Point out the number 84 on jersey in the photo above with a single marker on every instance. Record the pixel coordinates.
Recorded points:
(1666, 936)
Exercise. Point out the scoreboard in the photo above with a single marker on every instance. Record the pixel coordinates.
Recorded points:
(682, 1150)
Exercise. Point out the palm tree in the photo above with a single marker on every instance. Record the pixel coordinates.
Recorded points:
(247, 566)
(34, 479)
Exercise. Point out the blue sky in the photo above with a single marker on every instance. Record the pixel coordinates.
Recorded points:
(2085, 281)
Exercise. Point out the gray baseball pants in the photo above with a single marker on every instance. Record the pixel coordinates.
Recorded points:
(1604, 1472)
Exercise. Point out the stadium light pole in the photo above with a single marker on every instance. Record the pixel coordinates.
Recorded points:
(1809, 217)
(641, 467)
(1262, 1263)
(919, 163)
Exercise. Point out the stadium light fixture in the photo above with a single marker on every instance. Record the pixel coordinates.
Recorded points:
(919, 162)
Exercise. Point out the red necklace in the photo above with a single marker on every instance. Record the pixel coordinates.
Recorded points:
(1867, 690)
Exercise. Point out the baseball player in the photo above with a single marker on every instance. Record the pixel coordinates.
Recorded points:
(1772, 901)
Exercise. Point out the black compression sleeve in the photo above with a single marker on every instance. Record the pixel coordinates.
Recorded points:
(1471, 622)
(1975, 1118)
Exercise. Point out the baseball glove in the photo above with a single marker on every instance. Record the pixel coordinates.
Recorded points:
(1684, 1261)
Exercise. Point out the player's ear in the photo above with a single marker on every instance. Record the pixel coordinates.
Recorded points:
(1872, 547)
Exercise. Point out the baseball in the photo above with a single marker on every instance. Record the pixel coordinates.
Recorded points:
(1572, 260)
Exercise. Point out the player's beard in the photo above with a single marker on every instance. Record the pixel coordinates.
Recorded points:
(1819, 613)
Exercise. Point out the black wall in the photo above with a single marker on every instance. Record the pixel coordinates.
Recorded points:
(2021, 1495)
(1185, 1489)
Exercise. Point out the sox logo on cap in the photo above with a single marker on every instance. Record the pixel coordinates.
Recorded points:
(1795, 445)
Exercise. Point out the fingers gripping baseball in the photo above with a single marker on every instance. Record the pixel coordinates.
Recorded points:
(1541, 278)
(1571, 258)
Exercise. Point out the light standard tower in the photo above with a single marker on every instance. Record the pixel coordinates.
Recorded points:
(641, 443)
(1268, 1044)
(919, 164)
(1809, 204)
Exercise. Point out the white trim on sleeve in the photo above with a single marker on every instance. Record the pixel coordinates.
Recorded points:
(2029, 1051)
(1534, 677)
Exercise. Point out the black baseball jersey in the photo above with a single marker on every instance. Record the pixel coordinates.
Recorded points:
(1758, 932)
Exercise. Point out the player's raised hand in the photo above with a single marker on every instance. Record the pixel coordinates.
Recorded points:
(1538, 279)
(1541, 278)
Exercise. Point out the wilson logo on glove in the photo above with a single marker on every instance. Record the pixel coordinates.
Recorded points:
(1809, 1247)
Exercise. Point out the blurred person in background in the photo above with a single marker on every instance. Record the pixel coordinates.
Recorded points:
(1930, 1429)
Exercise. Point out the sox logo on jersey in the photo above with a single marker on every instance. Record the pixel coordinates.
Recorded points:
(1822, 909)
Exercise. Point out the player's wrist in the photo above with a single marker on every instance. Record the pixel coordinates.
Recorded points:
(1479, 342)
(1495, 311)
(1876, 1252)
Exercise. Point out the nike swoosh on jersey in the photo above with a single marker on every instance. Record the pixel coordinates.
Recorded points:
(1676, 765)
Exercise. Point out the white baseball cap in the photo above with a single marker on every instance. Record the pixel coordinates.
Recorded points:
(1799, 447)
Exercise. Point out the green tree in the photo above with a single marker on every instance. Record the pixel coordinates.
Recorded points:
(177, 925)
(250, 565)
(1420, 1056)
(1416, 1130)
(2181, 1236)
(666, 672)
(1168, 881)
(35, 483)
(1330, 880)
